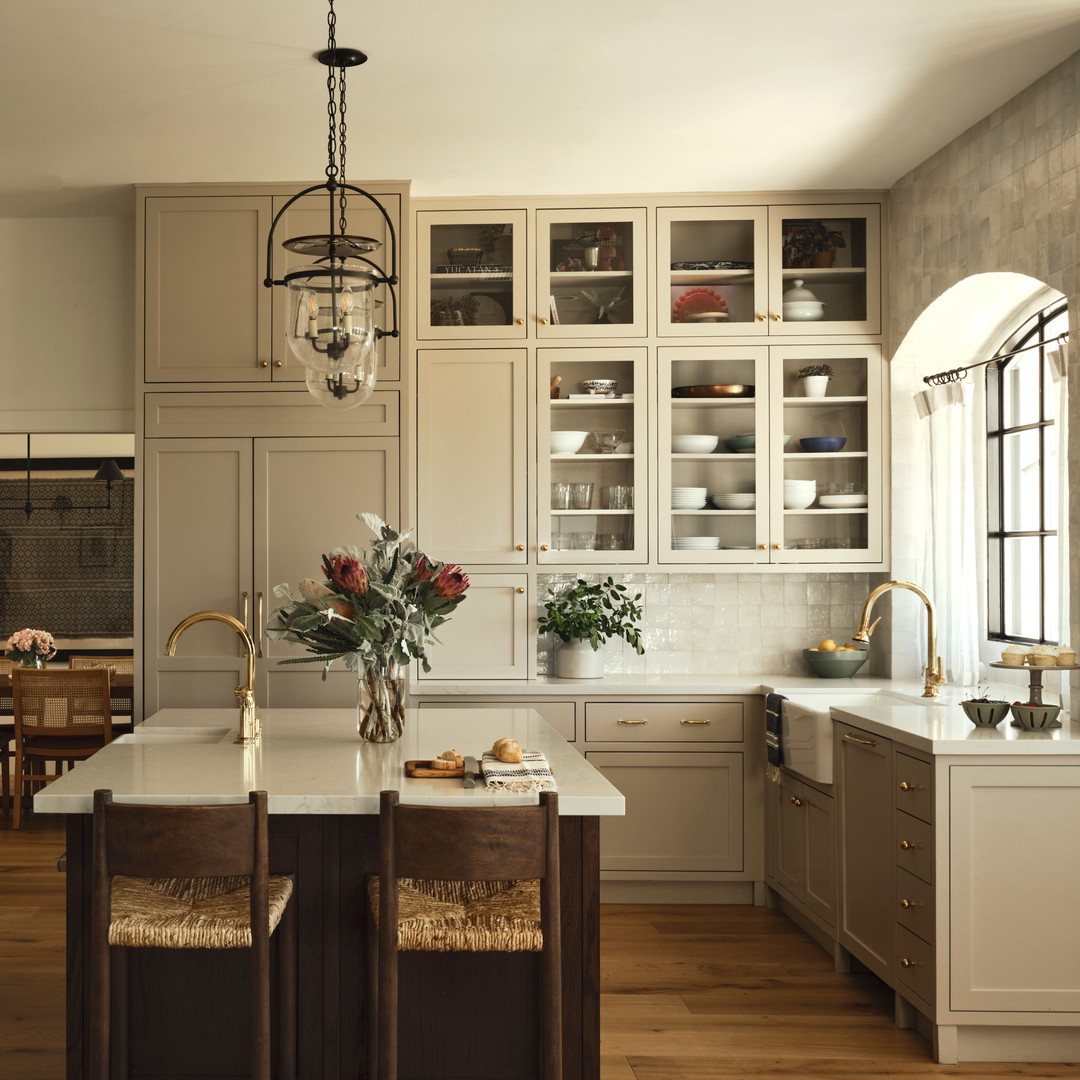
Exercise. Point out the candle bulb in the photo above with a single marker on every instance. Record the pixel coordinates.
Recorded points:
(346, 312)
(313, 318)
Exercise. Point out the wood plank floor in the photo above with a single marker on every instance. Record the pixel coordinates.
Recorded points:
(688, 993)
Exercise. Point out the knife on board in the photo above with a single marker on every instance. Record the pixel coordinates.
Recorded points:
(471, 774)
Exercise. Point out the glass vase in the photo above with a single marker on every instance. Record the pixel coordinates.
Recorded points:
(35, 662)
(380, 703)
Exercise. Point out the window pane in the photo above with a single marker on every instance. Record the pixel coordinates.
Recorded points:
(1050, 476)
(1021, 389)
(1052, 602)
(1023, 512)
(1023, 587)
(994, 607)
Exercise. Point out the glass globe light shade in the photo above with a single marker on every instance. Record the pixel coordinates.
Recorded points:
(331, 328)
(342, 389)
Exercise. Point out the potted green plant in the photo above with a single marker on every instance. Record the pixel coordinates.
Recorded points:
(815, 379)
(584, 617)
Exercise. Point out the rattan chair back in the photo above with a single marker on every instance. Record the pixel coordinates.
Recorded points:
(115, 665)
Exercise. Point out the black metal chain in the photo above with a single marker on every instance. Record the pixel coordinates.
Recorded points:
(331, 95)
(342, 200)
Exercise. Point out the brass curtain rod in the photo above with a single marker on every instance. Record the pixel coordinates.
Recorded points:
(942, 378)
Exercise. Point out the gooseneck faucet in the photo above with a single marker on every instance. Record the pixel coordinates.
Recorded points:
(250, 729)
(934, 671)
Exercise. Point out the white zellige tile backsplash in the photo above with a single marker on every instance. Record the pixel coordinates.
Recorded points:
(724, 624)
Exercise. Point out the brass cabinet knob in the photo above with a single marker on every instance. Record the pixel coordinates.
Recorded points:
(519, 320)
(762, 547)
(519, 547)
(760, 318)
(909, 903)
(908, 845)
(520, 589)
(264, 363)
(905, 786)
(778, 547)
(543, 320)
(543, 547)
(279, 363)
(795, 801)
(907, 962)
(775, 318)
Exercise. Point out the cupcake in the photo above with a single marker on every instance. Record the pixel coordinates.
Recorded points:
(1042, 656)
(1066, 656)
(1013, 656)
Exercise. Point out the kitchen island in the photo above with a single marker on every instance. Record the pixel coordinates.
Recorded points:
(188, 1007)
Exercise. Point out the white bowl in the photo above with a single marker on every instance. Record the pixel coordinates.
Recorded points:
(694, 444)
(803, 311)
(567, 442)
(797, 502)
(842, 502)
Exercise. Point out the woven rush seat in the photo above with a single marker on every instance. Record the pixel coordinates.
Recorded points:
(466, 916)
(189, 913)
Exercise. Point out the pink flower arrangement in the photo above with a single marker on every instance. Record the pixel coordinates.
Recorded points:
(30, 645)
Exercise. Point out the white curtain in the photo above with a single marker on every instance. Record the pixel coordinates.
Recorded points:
(1059, 403)
(949, 559)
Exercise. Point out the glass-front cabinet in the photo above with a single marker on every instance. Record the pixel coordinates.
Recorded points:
(591, 273)
(781, 270)
(592, 447)
(471, 274)
(761, 462)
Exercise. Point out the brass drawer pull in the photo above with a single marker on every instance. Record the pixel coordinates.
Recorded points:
(856, 739)
(685, 721)
(909, 845)
(905, 786)
(795, 801)
(906, 962)
(633, 721)
(909, 903)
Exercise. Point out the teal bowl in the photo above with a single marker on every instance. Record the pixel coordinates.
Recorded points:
(1035, 717)
(742, 442)
(985, 713)
(835, 665)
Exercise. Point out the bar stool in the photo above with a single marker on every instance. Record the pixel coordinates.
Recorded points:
(189, 877)
(468, 879)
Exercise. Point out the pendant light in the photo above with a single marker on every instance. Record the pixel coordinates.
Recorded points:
(108, 471)
(331, 325)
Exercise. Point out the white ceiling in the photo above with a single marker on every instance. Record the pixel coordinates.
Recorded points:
(504, 96)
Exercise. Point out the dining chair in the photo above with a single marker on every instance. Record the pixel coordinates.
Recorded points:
(122, 698)
(60, 717)
(7, 738)
(467, 879)
(187, 877)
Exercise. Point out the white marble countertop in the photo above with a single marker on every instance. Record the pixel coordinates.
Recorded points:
(311, 761)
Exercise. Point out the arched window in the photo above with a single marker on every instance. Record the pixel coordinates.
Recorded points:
(1023, 483)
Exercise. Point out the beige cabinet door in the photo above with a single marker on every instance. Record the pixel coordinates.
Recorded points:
(307, 493)
(791, 837)
(206, 310)
(471, 455)
(307, 217)
(684, 812)
(1014, 879)
(867, 926)
(196, 557)
(819, 883)
(487, 637)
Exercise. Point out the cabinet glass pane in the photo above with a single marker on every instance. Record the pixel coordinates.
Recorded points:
(712, 272)
(824, 259)
(591, 269)
(825, 496)
(472, 274)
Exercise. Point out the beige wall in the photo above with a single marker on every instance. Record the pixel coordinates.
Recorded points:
(1000, 197)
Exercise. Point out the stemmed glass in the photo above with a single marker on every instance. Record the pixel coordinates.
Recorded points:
(607, 441)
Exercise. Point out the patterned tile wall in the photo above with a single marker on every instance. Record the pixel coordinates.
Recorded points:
(726, 624)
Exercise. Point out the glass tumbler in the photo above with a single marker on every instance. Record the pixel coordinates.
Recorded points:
(560, 496)
(607, 442)
(580, 496)
(618, 497)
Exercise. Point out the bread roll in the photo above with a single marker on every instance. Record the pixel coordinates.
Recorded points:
(507, 750)
(454, 756)
(443, 764)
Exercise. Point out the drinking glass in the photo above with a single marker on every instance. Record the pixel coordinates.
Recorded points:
(560, 496)
(607, 441)
(610, 541)
(580, 496)
(618, 497)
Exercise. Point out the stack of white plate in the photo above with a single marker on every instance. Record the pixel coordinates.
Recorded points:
(695, 543)
(688, 498)
(799, 494)
(724, 501)
(842, 502)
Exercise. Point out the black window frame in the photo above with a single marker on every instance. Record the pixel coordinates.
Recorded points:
(1032, 337)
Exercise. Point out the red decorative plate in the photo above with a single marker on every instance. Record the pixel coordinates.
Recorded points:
(696, 300)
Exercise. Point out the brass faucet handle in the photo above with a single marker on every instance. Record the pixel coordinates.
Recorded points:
(872, 627)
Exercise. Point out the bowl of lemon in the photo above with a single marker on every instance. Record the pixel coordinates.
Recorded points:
(831, 661)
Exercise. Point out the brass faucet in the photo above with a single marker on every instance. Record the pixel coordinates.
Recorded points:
(250, 728)
(934, 671)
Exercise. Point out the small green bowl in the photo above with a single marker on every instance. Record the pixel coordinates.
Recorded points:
(985, 713)
(1035, 717)
(835, 665)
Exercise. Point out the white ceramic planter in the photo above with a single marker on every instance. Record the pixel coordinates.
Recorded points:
(578, 660)
(815, 385)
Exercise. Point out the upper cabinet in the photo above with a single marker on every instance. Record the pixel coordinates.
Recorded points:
(206, 316)
(783, 270)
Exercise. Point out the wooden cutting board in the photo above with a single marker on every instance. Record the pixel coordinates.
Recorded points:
(423, 770)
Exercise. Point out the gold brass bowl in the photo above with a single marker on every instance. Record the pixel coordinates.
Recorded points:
(732, 390)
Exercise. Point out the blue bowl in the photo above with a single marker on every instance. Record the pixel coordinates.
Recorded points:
(824, 444)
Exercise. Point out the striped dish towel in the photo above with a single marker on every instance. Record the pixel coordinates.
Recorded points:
(774, 752)
(532, 773)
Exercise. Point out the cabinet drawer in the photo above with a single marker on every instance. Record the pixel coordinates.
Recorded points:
(915, 846)
(664, 721)
(915, 964)
(915, 905)
(915, 787)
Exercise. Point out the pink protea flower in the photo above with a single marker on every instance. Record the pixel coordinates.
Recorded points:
(422, 571)
(451, 582)
(346, 573)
